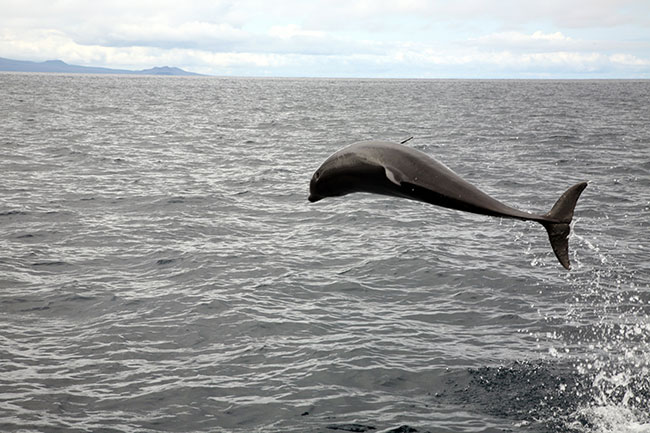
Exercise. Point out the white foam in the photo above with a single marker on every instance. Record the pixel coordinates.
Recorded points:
(610, 419)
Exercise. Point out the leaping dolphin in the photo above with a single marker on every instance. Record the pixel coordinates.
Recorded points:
(387, 168)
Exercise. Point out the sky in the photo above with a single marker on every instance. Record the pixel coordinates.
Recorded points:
(338, 38)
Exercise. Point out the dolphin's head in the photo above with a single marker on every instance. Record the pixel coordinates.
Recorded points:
(342, 173)
(323, 182)
(314, 187)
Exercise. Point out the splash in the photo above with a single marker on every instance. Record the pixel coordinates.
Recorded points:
(606, 337)
(609, 419)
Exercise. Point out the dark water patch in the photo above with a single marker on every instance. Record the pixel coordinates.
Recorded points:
(24, 304)
(12, 212)
(163, 262)
(237, 193)
(36, 308)
(363, 428)
(545, 396)
(50, 263)
(62, 302)
(75, 297)
(532, 392)
(357, 428)
(180, 199)
(403, 429)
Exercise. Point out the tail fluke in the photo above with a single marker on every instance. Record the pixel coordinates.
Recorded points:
(559, 229)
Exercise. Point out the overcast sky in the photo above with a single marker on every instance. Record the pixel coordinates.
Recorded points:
(339, 38)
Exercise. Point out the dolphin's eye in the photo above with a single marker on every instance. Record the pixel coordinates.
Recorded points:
(317, 175)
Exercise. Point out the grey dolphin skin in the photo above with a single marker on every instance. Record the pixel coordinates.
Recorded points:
(393, 169)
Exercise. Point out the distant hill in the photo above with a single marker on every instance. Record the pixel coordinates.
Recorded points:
(62, 67)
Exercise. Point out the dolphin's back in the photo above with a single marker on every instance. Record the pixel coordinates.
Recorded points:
(422, 178)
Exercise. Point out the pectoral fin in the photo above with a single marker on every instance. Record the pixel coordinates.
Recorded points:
(394, 176)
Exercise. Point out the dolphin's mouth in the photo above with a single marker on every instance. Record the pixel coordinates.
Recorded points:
(314, 198)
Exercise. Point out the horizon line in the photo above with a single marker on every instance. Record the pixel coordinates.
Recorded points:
(108, 70)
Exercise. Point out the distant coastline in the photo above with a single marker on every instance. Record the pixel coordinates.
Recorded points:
(62, 67)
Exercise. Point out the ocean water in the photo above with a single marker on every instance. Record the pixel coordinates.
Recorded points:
(162, 270)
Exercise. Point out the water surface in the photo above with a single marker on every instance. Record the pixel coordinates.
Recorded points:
(162, 270)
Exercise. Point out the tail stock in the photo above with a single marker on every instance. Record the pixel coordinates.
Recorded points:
(558, 225)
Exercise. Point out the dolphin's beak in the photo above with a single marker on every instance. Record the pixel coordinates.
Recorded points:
(314, 198)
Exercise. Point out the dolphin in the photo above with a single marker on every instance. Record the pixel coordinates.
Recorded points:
(386, 168)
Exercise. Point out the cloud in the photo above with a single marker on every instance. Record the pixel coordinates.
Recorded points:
(507, 14)
(536, 41)
(194, 34)
(629, 60)
(338, 37)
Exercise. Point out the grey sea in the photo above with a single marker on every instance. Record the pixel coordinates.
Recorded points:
(161, 269)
